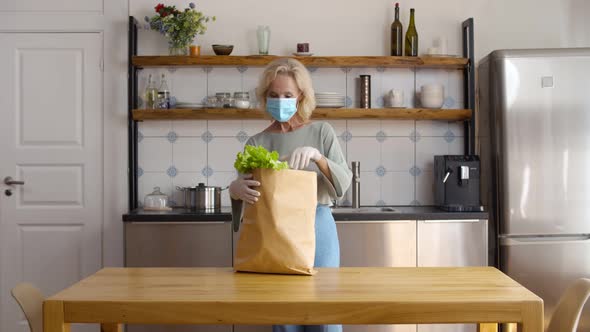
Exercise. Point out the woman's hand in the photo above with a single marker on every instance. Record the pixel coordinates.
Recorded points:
(240, 188)
(301, 157)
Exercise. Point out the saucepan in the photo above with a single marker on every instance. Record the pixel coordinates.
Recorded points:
(202, 198)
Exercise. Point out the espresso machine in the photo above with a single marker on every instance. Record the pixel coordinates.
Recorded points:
(456, 183)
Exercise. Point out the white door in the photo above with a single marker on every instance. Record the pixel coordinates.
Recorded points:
(50, 138)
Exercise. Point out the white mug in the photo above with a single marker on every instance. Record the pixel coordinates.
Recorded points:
(396, 98)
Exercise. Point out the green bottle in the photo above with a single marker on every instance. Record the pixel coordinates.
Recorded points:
(397, 34)
(411, 37)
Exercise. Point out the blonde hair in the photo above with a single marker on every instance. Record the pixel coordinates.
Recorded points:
(295, 69)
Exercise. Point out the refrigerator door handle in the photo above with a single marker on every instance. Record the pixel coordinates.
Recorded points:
(508, 241)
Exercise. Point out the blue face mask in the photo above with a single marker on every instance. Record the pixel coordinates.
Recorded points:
(282, 109)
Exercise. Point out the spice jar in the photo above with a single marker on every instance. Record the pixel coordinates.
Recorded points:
(224, 99)
(242, 99)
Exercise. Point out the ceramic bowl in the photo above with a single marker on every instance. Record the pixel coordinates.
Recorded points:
(223, 49)
(431, 100)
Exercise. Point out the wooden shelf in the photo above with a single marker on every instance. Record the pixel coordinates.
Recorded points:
(310, 61)
(319, 113)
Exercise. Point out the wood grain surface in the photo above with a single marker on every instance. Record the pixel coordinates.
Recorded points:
(334, 295)
(310, 61)
(318, 113)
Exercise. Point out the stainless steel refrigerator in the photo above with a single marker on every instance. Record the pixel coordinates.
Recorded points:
(534, 141)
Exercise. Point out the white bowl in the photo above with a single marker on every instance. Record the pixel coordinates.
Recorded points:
(431, 101)
(433, 88)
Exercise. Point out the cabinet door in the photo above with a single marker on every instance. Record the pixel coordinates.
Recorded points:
(373, 244)
(452, 243)
(178, 244)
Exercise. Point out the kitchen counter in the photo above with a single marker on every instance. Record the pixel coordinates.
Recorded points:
(340, 214)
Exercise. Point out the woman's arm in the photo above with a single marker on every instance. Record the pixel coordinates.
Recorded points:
(325, 169)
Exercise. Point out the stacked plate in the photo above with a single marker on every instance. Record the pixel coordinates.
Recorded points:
(330, 99)
(188, 105)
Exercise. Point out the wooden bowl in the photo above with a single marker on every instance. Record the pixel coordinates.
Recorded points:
(223, 49)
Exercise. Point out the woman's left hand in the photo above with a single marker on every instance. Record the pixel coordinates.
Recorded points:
(301, 157)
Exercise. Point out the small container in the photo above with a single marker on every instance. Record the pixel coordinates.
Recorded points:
(242, 99)
(163, 101)
(365, 93)
(212, 102)
(155, 200)
(224, 100)
(194, 50)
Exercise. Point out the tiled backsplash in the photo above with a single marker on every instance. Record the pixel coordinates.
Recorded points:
(396, 155)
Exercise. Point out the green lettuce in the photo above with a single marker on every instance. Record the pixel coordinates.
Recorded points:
(258, 157)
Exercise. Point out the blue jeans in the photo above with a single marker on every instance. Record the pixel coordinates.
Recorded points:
(327, 254)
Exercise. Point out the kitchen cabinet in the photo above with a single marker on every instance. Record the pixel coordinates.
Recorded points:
(377, 243)
(461, 242)
(178, 244)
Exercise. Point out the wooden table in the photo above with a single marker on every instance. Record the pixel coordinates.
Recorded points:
(334, 296)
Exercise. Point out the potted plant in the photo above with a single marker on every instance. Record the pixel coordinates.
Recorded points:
(180, 27)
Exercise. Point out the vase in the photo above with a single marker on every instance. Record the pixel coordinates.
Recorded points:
(174, 50)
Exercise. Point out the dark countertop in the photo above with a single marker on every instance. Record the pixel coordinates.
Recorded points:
(344, 214)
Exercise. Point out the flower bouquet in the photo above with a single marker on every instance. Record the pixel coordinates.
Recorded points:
(180, 27)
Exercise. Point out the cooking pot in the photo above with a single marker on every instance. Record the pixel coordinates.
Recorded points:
(202, 198)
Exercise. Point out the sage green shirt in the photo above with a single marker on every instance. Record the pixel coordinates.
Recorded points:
(321, 136)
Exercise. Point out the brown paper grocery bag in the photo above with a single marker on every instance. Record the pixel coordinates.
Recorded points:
(277, 234)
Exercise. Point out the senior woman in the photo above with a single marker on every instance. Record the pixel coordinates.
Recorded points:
(285, 92)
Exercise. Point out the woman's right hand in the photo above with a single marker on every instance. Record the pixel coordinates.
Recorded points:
(240, 188)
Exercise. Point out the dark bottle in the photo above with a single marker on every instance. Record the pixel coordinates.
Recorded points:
(411, 37)
(397, 34)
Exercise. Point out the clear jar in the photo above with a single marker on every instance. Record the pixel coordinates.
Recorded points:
(224, 100)
(155, 200)
(163, 101)
(212, 102)
(242, 99)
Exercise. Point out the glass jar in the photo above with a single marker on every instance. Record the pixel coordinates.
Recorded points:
(156, 200)
(212, 102)
(163, 101)
(224, 100)
(242, 99)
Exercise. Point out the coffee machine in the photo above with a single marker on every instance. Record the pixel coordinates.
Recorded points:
(456, 183)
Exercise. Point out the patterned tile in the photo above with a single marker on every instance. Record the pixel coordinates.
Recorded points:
(449, 136)
(222, 153)
(415, 136)
(189, 154)
(380, 171)
(242, 136)
(207, 172)
(224, 128)
(346, 136)
(171, 137)
(189, 128)
(139, 172)
(207, 137)
(397, 188)
(425, 188)
(381, 136)
(172, 171)
(155, 128)
(415, 171)
(154, 154)
(189, 85)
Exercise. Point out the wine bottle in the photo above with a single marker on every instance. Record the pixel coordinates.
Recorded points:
(151, 94)
(396, 34)
(411, 37)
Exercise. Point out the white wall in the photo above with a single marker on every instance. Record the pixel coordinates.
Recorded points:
(353, 27)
